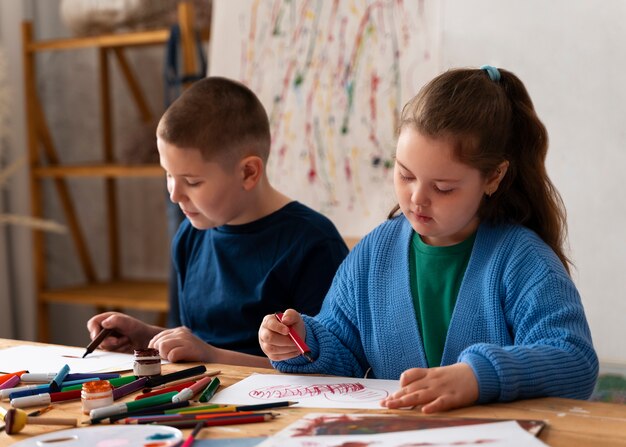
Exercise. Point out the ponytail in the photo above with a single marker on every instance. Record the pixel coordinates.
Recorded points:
(492, 120)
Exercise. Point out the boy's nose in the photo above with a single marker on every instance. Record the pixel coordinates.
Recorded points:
(173, 189)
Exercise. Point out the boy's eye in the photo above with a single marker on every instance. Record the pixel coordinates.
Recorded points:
(403, 177)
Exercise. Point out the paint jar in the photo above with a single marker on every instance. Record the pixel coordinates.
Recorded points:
(147, 362)
(96, 394)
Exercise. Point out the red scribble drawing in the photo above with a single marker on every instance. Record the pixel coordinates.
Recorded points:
(339, 392)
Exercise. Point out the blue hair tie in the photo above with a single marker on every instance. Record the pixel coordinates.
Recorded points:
(493, 72)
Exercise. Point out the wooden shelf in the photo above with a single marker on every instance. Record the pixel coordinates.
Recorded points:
(99, 170)
(45, 163)
(121, 294)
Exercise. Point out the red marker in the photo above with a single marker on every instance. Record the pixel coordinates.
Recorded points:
(302, 346)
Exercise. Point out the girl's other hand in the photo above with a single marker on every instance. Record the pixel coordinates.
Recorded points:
(435, 389)
(274, 335)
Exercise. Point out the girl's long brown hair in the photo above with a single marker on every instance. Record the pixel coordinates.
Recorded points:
(490, 122)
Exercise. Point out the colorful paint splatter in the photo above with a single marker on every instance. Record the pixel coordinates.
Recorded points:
(334, 76)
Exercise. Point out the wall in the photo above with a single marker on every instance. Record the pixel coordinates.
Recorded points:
(570, 55)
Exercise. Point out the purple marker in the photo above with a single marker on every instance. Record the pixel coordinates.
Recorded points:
(131, 387)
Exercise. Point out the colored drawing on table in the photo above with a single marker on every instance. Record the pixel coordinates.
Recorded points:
(333, 76)
(338, 392)
(308, 391)
(342, 430)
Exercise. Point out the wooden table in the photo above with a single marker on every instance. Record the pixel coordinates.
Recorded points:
(570, 423)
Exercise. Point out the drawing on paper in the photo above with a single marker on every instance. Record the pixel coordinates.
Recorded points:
(339, 392)
(333, 76)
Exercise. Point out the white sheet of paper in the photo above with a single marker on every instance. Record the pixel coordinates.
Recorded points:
(45, 359)
(308, 391)
(505, 434)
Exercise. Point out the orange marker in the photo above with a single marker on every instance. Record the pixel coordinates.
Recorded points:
(5, 377)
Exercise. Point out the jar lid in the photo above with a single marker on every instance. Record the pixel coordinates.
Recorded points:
(97, 386)
(147, 352)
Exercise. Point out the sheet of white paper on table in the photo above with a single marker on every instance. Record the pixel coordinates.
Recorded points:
(40, 359)
(308, 391)
(505, 434)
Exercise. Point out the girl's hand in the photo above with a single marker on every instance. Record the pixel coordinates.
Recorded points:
(435, 389)
(180, 344)
(274, 335)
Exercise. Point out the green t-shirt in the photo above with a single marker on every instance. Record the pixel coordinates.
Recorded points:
(436, 276)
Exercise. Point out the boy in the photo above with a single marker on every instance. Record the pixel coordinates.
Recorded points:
(245, 249)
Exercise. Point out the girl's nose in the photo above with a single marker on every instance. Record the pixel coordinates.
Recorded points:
(419, 196)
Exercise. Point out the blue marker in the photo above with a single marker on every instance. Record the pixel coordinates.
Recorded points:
(55, 384)
(21, 392)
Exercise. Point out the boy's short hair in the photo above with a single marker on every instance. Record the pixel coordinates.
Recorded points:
(221, 118)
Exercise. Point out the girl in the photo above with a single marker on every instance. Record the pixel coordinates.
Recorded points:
(466, 295)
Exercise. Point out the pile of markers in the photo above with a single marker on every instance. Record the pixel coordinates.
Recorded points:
(164, 399)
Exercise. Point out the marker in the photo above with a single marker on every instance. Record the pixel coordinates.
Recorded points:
(192, 437)
(188, 393)
(196, 409)
(10, 382)
(182, 374)
(5, 377)
(44, 399)
(230, 420)
(210, 390)
(300, 344)
(131, 387)
(55, 384)
(166, 389)
(193, 378)
(123, 407)
(47, 377)
(104, 333)
(117, 382)
(154, 410)
(150, 418)
(4, 394)
(38, 389)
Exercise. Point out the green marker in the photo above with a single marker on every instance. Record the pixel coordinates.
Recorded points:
(124, 407)
(210, 390)
(118, 381)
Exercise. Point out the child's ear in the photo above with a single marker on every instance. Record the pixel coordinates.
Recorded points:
(251, 168)
(493, 181)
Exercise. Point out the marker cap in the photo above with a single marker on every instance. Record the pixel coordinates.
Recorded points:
(4, 394)
(38, 377)
(31, 401)
(105, 412)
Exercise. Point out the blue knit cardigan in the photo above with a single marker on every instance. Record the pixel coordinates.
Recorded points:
(518, 320)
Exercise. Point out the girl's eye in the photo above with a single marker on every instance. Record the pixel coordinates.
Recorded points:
(442, 191)
(193, 183)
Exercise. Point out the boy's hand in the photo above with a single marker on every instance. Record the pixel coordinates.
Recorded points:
(180, 344)
(274, 335)
(130, 333)
(435, 389)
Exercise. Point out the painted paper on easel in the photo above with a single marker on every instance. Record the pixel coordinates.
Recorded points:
(333, 76)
